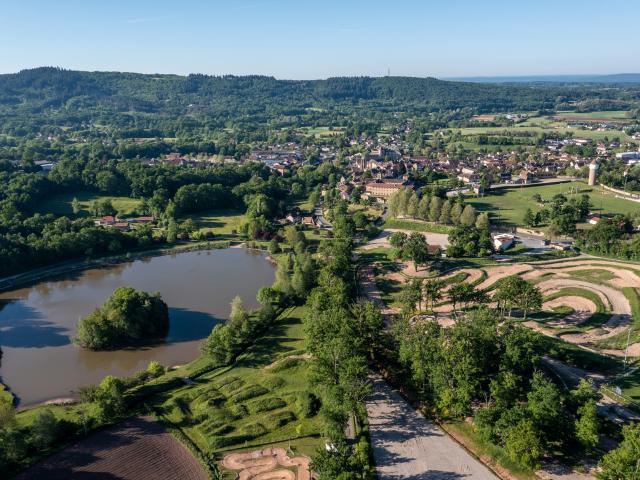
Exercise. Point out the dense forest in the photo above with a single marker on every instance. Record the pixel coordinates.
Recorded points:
(53, 90)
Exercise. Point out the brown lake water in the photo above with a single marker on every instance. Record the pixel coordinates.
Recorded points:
(37, 323)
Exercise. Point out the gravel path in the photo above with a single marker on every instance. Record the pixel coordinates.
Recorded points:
(408, 446)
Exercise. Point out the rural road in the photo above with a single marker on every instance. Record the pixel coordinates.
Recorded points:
(408, 446)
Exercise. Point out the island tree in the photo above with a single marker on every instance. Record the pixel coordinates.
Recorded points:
(129, 316)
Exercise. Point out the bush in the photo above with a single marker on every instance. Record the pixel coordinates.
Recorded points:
(238, 411)
(246, 393)
(266, 404)
(286, 364)
(273, 383)
(308, 404)
(229, 385)
(254, 430)
(277, 420)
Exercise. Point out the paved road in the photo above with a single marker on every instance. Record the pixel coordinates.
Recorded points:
(408, 446)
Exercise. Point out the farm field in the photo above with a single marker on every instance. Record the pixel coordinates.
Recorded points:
(264, 399)
(558, 123)
(61, 204)
(508, 205)
(138, 448)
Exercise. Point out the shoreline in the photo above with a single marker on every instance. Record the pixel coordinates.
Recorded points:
(36, 275)
(32, 277)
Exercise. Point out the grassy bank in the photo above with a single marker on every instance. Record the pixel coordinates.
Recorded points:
(262, 399)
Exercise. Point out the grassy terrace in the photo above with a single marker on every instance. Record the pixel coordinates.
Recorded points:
(264, 398)
(508, 205)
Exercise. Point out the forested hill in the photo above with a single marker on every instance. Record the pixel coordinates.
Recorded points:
(52, 90)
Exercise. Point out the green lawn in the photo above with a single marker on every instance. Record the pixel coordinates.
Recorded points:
(61, 204)
(219, 222)
(592, 275)
(534, 127)
(263, 399)
(416, 226)
(508, 205)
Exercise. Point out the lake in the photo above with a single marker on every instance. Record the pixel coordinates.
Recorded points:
(37, 323)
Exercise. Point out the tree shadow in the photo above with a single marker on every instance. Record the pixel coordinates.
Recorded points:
(187, 325)
(434, 475)
(272, 343)
(22, 326)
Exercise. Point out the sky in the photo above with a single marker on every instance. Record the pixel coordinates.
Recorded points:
(304, 39)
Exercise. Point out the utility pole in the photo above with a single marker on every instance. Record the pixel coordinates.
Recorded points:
(626, 350)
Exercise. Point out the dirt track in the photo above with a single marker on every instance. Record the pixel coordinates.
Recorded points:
(136, 449)
(408, 446)
(382, 240)
(269, 463)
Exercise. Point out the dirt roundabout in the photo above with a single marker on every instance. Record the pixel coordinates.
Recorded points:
(268, 464)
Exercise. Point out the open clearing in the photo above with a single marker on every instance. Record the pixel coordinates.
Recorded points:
(508, 205)
(218, 222)
(138, 448)
(61, 204)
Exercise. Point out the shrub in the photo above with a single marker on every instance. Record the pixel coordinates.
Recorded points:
(228, 440)
(248, 392)
(273, 383)
(266, 404)
(254, 430)
(238, 411)
(308, 404)
(230, 385)
(286, 363)
(277, 420)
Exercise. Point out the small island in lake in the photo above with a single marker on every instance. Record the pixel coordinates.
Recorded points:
(128, 317)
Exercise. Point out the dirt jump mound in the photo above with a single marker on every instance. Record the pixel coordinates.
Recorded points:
(268, 464)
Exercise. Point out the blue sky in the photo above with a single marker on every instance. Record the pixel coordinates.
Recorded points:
(310, 39)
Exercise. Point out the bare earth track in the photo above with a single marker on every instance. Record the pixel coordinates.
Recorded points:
(136, 449)
(268, 464)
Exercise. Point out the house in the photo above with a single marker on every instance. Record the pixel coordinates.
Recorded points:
(594, 219)
(561, 246)
(105, 221)
(385, 188)
(144, 220)
(468, 175)
(503, 241)
(122, 226)
(292, 218)
(309, 221)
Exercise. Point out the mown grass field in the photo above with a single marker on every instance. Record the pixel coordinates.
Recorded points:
(219, 222)
(263, 399)
(416, 226)
(61, 204)
(508, 205)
